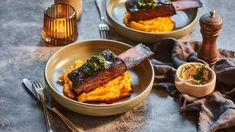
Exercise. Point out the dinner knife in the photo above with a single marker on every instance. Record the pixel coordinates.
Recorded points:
(69, 124)
(29, 86)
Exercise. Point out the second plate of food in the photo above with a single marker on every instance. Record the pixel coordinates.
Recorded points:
(184, 21)
(71, 56)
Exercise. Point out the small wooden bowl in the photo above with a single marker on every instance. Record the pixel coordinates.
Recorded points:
(193, 89)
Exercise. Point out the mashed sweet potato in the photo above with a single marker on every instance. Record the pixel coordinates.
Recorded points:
(159, 24)
(115, 89)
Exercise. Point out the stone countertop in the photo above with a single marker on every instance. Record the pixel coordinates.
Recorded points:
(24, 55)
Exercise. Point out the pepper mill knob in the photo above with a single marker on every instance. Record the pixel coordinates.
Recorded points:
(212, 13)
(211, 25)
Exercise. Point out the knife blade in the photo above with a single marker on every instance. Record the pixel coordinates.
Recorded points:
(29, 86)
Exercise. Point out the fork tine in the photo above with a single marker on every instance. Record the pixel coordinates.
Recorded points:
(104, 34)
(100, 31)
(101, 35)
(38, 86)
(107, 31)
(35, 85)
(41, 84)
(34, 88)
(103, 29)
(107, 28)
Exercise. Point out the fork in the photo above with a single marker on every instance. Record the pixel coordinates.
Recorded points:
(38, 87)
(69, 124)
(103, 26)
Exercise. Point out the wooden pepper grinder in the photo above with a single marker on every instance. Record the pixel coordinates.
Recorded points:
(210, 29)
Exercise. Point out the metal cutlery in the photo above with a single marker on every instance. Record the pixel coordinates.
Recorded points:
(103, 26)
(38, 86)
(68, 123)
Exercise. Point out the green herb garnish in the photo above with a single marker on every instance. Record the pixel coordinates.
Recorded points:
(199, 75)
(143, 4)
(95, 63)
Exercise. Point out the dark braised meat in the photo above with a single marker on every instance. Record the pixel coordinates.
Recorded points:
(163, 8)
(148, 9)
(86, 79)
(85, 83)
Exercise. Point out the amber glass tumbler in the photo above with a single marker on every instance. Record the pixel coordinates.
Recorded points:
(60, 25)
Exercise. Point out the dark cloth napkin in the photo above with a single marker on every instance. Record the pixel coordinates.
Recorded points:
(215, 111)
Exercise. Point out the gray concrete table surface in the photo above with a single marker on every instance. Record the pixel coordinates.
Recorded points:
(24, 55)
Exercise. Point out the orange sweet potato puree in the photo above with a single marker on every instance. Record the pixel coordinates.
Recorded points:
(159, 24)
(113, 90)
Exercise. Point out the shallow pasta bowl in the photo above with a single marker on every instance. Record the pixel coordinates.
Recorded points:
(63, 58)
(185, 23)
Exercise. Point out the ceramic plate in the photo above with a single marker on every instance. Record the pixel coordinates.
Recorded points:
(185, 23)
(66, 56)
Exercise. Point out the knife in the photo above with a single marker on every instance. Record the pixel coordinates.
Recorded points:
(41, 96)
(69, 124)
(29, 86)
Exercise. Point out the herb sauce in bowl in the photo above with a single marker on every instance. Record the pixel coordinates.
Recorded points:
(195, 79)
(198, 74)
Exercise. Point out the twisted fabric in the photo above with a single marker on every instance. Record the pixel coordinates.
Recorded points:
(215, 111)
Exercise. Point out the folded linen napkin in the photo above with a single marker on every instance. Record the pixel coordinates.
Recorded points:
(215, 111)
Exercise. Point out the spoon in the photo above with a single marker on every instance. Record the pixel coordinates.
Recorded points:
(183, 81)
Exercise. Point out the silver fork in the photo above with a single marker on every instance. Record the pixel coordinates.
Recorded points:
(37, 85)
(103, 26)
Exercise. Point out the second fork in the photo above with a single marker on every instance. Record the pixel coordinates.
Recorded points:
(103, 26)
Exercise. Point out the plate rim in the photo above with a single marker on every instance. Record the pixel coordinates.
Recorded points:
(87, 104)
(151, 33)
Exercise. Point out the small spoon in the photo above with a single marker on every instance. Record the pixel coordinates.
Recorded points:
(183, 81)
